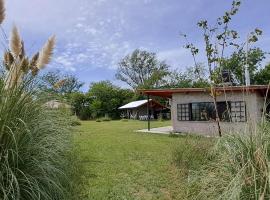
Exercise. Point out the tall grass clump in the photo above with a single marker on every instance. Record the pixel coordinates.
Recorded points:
(191, 153)
(33, 146)
(241, 167)
(34, 141)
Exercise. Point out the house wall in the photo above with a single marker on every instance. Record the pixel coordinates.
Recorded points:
(254, 106)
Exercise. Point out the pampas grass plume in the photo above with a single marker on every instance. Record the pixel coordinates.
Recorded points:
(15, 42)
(46, 52)
(2, 11)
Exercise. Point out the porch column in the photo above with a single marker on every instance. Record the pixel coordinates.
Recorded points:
(148, 109)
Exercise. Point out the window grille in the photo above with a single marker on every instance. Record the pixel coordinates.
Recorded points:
(234, 111)
(238, 111)
(183, 112)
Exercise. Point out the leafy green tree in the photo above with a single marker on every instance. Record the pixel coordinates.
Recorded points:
(198, 75)
(81, 105)
(262, 77)
(178, 79)
(193, 77)
(59, 84)
(107, 98)
(236, 62)
(142, 69)
(103, 98)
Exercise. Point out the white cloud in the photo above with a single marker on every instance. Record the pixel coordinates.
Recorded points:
(81, 19)
(90, 34)
(81, 57)
(79, 25)
(180, 58)
(91, 31)
(176, 57)
(63, 62)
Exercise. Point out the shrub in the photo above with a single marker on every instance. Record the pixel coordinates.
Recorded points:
(241, 168)
(71, 119)
(160, 117)
(106, 119)
(74, 121)
(103, 119)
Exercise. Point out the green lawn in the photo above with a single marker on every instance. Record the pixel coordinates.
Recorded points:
(118, 163)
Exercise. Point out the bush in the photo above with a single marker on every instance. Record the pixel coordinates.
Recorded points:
(74, 121)
(106, 119)
(103, 119)
(33, 145)
(160, 117)
(241, 168)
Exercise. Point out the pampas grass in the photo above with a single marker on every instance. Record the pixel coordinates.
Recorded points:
(8, 60)
(33, 62)
(46, 52)
(33, 141)
(24, 65)
(19, 65)
(15, 44)
(241, 169)
(33, 147)
(2, 11)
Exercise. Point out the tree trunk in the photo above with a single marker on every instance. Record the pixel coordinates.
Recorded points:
(214, 96)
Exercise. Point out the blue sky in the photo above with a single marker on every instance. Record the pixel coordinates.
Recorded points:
(93, 35)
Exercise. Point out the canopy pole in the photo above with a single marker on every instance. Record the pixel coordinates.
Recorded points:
(148, 111)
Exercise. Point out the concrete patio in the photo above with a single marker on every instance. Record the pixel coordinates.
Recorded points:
(160, 130)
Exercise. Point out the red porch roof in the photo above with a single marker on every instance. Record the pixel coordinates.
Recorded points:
(167, 93)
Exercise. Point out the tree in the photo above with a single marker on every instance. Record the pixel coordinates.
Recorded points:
(81, 105)
(59, 84)
(262, 77)
(236, 62)
(142, 69)
(178, 79)
(107, 98)
(193, 77)
(103, 98)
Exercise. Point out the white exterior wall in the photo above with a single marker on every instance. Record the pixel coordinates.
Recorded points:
(254, 106)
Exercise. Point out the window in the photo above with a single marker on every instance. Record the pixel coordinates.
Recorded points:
(183, 112)
(238, 111)
(224, 109)
(205, 111)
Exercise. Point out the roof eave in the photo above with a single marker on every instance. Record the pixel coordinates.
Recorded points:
(167, 93)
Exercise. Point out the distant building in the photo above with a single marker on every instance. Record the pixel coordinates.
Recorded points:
(56, 104)
(193, 110)
(138, 109)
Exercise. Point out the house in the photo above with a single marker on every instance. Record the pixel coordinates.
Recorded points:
(193, 110)
(138, 109)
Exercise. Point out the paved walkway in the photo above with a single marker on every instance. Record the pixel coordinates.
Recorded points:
(161, 130)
